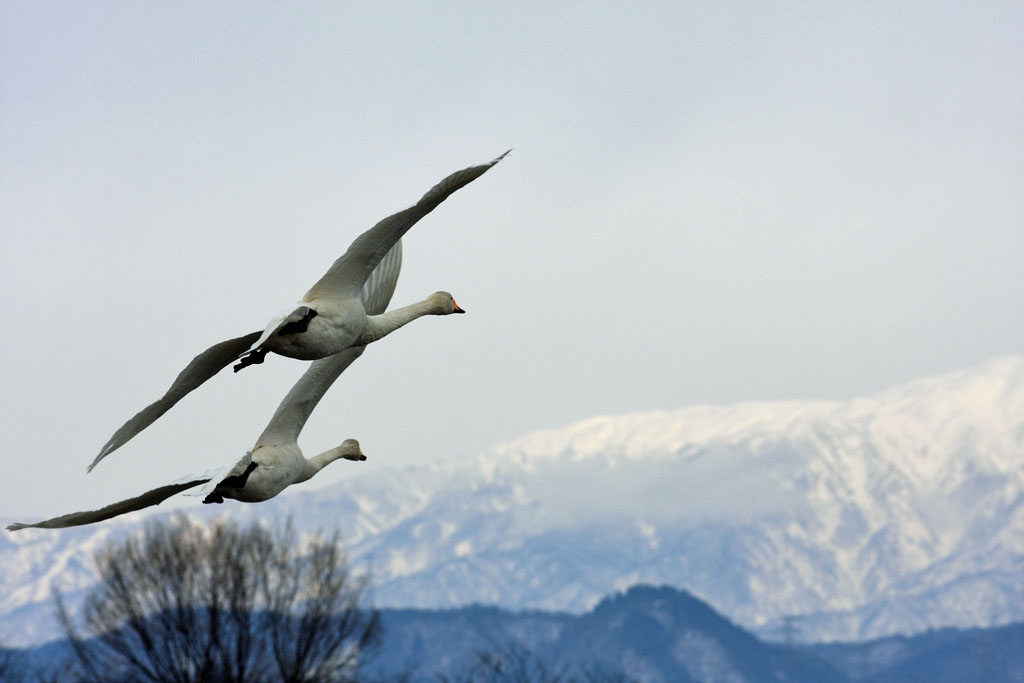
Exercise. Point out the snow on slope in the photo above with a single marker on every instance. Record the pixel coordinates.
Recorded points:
(888, 514)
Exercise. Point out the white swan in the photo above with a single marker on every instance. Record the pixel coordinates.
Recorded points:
(276, 461)
(329, 319)
(258, 476)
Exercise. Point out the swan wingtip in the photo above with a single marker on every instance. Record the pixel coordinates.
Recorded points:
(95, 462)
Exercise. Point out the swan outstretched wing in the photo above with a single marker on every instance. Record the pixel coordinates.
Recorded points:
(291, 415)
(147, 499)
(347, 275)
(203, 367)
(209, 480)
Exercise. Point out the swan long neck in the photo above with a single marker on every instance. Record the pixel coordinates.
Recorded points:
(317, 463)
(379, 326)
(349, 450)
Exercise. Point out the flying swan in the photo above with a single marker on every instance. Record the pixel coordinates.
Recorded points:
(276, 461)
(330, 317)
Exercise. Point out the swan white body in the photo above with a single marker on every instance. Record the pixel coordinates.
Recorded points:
(330, 317)
(341, 324)
(276, 461)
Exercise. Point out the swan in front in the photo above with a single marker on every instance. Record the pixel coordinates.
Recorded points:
(276, 461)
(330, 317)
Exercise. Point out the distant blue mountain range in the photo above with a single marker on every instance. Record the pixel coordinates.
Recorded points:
(663, 635)
(648, 635)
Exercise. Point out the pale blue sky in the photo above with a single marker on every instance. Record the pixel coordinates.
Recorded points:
(705, 204)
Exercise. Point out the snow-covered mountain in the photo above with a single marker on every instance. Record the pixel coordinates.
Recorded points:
(888, 514)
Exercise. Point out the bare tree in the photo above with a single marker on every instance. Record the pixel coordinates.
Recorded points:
(188, 603)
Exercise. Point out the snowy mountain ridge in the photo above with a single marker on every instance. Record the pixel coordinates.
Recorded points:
(988, 396)
(887, 514)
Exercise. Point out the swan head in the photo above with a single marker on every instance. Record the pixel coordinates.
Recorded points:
(443, 303)
(350, 450)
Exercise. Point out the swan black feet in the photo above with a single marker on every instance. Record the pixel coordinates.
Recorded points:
(233, 482)
(254, 357)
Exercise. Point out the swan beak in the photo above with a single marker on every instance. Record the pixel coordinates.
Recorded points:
(457, 309)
